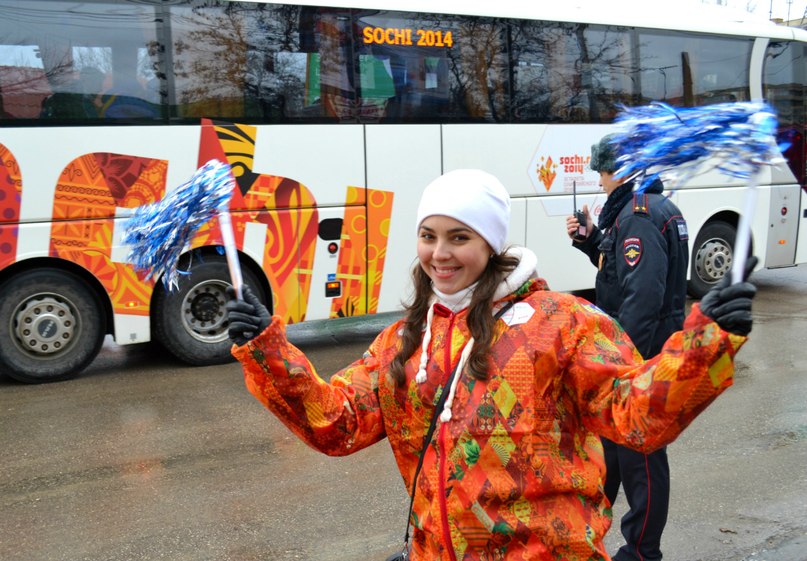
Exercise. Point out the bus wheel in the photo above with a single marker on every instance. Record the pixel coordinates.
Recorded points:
(712, 257)
(191, 321)
(51, 326)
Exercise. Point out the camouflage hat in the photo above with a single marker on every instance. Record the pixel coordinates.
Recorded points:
(603, 155)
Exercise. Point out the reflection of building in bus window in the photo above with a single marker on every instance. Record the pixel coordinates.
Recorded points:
(23, 90)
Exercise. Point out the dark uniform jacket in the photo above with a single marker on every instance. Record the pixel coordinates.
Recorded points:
(642, 262)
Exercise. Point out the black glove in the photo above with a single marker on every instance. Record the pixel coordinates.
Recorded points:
(730, 304)
(248, 317)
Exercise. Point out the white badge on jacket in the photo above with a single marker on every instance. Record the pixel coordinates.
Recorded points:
(520, 313)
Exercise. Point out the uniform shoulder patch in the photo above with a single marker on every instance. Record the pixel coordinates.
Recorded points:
(641, 202)
(632, 249)
(683, 233)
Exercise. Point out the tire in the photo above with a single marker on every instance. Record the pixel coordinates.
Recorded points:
(712, 257)
(51, 326)
(191, 321)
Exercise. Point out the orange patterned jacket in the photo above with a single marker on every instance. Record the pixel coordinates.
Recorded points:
(517, 472)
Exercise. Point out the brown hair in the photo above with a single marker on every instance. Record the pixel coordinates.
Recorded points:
(480, 320)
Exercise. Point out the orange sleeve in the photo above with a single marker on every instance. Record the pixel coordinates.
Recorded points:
(337, 417)
(646, 405)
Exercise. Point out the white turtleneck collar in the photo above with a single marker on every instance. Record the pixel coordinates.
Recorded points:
(455, 302)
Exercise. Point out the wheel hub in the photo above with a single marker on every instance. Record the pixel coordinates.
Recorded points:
(203, 312)
(44, 325)
(713, 260)
(205, 308)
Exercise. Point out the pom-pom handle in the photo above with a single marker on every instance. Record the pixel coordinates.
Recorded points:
(231, 251)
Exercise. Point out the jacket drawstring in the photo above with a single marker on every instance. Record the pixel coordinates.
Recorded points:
(424, 351)
(466, 352)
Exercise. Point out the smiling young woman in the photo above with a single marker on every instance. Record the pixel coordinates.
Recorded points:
(518, 382)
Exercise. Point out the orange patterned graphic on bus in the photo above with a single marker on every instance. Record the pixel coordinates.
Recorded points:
(286, 207)
(10, 189)
(362, 252)
(87, 193)
(93, 186)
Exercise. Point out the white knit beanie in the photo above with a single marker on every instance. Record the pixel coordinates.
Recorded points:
(475, 198)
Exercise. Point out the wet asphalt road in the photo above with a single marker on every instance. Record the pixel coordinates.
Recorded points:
(144, 458)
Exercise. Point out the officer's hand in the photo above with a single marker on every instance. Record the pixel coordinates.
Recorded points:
(247, 317)
(573, 224)
(730, 304)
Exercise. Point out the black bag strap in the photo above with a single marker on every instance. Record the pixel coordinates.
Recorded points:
(438, 408)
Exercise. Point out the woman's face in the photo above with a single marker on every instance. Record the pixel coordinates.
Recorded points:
(452, 254)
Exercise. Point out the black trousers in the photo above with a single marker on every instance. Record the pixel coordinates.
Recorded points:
(645, 479)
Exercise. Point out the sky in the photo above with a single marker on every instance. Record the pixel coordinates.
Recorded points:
(781, 8)
(764, 8)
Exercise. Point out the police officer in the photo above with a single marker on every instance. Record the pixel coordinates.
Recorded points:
(641, 252)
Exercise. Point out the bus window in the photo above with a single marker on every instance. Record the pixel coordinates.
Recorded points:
(272, 63)
(209, 51)
(566, 72)
(534, 68)
(688, 70)
(427, 68)
(77, 64)
(606, 71)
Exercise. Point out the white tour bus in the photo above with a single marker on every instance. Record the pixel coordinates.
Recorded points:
(334, 118)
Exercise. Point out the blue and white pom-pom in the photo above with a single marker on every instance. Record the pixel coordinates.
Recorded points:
(736, 138)
(160, 232)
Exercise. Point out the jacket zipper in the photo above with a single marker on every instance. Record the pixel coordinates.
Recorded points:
(442, 490)
(442, 469)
